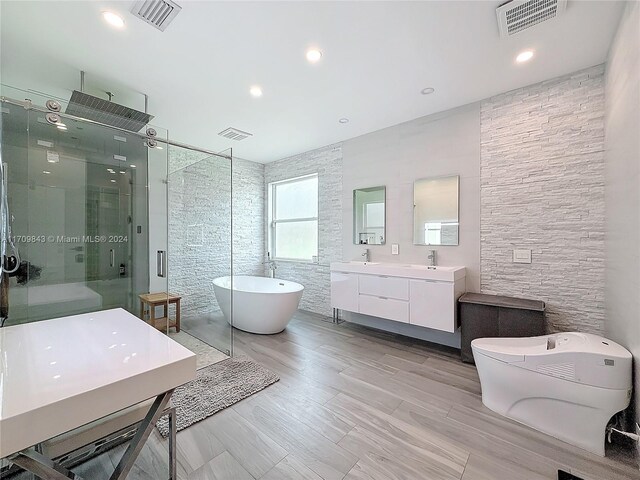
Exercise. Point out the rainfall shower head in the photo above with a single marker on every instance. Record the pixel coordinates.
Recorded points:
(107, 112)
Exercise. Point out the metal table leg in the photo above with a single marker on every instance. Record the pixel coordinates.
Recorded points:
(41, 466)
(173, 428)
(141, 436)
(33, 461)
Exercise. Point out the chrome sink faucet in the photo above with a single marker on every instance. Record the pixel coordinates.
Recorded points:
(433, 258)
(366, 255)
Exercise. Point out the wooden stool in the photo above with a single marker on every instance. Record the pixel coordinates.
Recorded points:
(148, 304)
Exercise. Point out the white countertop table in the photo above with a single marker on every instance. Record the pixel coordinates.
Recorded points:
(60, 374)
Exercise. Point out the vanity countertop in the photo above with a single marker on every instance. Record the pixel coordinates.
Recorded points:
(424, 272)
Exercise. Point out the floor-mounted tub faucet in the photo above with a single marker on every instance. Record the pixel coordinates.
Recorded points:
(271, 265)
(433, 258)
(366, 255)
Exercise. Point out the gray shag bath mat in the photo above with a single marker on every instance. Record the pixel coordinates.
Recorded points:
(215, 388)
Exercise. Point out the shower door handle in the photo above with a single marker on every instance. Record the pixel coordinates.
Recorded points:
(161, 263)
(112, 258)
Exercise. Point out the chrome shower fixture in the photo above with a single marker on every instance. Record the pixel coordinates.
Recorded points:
(106, 112)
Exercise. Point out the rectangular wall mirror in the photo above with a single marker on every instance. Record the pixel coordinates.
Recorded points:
(369, 216)
(435, 211)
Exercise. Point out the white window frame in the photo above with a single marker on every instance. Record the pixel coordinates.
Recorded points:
(272, 221)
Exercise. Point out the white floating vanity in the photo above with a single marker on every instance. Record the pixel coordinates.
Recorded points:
(415, 294)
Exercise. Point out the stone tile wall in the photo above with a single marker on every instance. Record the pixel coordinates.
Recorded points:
(542, 188)
(622, 194)
(200, 224)
(327, 163)
(248, 217)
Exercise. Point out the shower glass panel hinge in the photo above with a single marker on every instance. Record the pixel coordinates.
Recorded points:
(53, 105)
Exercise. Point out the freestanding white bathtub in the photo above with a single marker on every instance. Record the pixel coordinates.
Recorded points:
(260, 305)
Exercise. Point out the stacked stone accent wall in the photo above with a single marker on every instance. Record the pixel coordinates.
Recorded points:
(542, 188)
(327, 163)
(201, 198)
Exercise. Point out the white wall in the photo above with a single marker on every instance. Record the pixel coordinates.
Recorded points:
(622, 194)
(446, 143)
(157, 214)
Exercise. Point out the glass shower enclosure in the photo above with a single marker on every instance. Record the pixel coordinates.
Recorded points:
(87, 210)
(85, 213)
(76, 209)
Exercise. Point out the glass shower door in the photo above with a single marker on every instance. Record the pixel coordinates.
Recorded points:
(77, 194)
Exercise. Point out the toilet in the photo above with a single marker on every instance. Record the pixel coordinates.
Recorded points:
(567, 385)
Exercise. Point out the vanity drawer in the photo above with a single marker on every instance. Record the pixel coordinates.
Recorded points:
(381, 286)
(384, 307)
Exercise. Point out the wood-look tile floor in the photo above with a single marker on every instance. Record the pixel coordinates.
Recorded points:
(359, 404)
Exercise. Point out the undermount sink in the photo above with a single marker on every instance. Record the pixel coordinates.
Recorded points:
(424, 272)
(431, 267)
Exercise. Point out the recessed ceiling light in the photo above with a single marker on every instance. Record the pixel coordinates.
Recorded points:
(61, 126)
(427, 91)
(255, 91)
(113, 181)
(46, 172)
(524, 56)
(132, 166)
(122, 172)
(314, 55)
(113, 19)
(344, 120)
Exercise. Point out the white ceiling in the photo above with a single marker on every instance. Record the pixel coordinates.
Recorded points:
(377, 58)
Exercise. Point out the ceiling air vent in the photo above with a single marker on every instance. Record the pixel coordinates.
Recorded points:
(518, 15)
(159, 13)
(235, 134)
